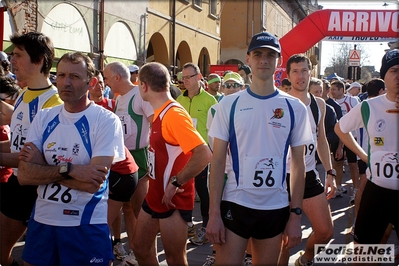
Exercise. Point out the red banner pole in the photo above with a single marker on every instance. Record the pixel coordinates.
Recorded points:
(2, 10)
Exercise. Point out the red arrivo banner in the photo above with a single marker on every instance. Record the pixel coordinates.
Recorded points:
(330, 22)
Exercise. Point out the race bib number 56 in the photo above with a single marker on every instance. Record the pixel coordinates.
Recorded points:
(262, 172)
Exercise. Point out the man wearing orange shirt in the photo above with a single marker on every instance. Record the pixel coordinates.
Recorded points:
(173, 163)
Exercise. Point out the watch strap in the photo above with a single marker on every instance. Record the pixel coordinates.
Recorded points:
(332, 172)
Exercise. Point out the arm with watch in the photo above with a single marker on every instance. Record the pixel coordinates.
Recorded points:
(34, 170)
(199, 159)
(292, 235)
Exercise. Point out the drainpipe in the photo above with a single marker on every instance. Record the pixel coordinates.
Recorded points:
(174, 38)
(101, 35)
(145, 37)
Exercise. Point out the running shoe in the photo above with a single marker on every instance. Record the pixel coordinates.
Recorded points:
(352, 198)
(191, 230)
(337, 194)
(342, 189)
(299, 263)
(200, 238)
(130, 260)
(210, 260)
(119, 251)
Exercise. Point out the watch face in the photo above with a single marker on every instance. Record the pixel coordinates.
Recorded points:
(63, 168)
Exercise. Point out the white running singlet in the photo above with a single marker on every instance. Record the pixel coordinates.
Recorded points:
(133, 112)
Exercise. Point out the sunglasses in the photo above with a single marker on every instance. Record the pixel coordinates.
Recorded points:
(234, 85)
(188, 77)
(134, 72)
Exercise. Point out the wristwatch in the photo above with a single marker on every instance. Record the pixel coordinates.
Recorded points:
(332, 172)
(64, 170)
(174, 182)
(297, 211)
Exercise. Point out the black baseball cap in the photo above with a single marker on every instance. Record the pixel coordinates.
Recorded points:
(390, 59)
(264, 40)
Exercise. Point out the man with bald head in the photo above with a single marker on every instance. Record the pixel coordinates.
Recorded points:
(136, 116)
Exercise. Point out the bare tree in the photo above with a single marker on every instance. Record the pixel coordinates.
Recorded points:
(339, 62)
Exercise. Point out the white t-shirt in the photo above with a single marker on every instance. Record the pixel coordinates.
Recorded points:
(382, 129)
(76, 138)
(259, 130)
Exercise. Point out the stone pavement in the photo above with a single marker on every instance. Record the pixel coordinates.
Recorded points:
(342, 214)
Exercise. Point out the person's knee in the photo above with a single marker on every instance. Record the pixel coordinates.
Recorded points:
(325, 234)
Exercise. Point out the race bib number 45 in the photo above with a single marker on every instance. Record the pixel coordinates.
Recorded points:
(262, 172)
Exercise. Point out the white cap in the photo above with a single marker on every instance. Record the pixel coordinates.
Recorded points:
(354, 84)
(4, 57)
(133, 68)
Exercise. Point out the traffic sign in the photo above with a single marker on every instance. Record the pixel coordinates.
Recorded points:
(354, 57)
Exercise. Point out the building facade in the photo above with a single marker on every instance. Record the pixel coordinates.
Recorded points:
(172, 32)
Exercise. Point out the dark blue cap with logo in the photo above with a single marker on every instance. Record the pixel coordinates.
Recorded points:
(264, 40)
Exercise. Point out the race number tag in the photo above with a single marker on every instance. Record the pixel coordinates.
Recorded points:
(151, 163)
(261, 172)
(126, 124)
(55, 192)
(385, 169)
(18, 136)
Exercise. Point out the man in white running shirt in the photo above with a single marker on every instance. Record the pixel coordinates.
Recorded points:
(315, 204)
(68, 154)
(379, 205)
(258, 126)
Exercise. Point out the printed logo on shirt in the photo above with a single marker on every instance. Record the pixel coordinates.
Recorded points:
(380, 125)
(393, 157)
(246, 109)
(378, 141)
(266, 163)
(20, 115)
(71, 212)
(51, 127)
(278, 113)
(62, 149)
(61, 159)
(75, 149)
(51, 144)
